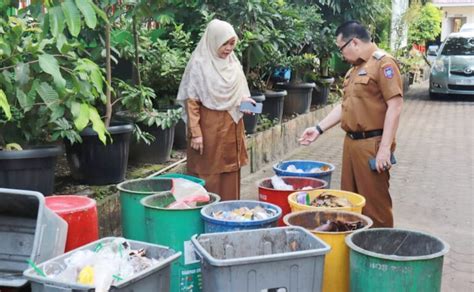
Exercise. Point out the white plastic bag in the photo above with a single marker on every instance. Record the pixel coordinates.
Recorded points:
(187, 194)
(279, 184)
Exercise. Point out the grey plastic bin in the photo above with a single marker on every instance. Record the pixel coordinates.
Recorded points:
(28, 230)
(253, 260)
(156, 278)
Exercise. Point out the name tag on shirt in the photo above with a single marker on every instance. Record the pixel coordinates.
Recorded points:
(362, 72)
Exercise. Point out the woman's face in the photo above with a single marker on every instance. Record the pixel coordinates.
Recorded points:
(227, 48)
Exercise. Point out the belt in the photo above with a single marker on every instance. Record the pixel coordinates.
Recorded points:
(364, 135)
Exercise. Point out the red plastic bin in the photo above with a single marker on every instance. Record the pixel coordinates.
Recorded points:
(80, 213)
(266, 192)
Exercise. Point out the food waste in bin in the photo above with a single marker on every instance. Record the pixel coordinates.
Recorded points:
(324, 199)
(321, 169)
(107, 265)
(244, 214)
(339, 226)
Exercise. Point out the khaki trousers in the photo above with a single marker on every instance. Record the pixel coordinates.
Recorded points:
(357, 177)
(226, 185)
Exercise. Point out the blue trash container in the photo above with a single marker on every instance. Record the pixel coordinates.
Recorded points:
(212, 224)
(306, 166)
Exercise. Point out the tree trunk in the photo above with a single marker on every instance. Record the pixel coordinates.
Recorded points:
(108, 68)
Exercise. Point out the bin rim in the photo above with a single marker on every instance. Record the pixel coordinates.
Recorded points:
(330, 210)
(210, 219)
(171, 175)
(89, 203)
(258, 259)
(149, 197)
(356, 248)
(31, 274)
(331, 166)
(292, 199)
(121, 188)
(325, 183)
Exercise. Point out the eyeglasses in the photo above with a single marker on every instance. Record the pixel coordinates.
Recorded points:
(345, 45)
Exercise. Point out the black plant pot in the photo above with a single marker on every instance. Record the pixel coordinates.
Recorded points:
(158, 151)
(298, 100)
(31, 169)
(91, 162)
(250, 121)
(180, 141)
(273, 104)
(321, 91)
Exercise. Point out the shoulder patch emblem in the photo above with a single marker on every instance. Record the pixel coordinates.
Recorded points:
(388, 72)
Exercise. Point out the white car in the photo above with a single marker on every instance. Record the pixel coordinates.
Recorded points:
(452, 72)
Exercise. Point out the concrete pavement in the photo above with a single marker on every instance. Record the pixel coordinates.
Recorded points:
(432, 185)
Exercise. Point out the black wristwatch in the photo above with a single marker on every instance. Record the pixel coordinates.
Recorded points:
(318, 128)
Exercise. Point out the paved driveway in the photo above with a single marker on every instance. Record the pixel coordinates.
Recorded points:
(433, 183)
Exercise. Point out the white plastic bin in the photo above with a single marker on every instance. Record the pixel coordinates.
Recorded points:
(28, 230)
(155, 278)
(253, 260)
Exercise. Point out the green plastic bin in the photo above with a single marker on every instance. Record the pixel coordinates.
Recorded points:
(184, 176)
(133, 213)
(174, 228)
(392, 260)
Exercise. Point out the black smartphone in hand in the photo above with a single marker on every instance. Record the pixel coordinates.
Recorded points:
(372, 162)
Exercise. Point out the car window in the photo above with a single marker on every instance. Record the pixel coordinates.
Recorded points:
(459, 46)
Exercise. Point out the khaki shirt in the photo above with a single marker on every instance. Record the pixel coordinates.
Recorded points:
(367, 87)
(224, 140)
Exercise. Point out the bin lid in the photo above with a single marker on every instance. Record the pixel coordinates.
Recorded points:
(69, 203)
(28, 231)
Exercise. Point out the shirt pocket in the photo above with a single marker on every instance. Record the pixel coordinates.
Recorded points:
(361, 86)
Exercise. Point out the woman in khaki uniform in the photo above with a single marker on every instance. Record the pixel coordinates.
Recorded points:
(212, 88)
(369, 114)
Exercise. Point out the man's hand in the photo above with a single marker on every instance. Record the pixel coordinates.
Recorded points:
(197, 144)
(382, 160)
(309, 135)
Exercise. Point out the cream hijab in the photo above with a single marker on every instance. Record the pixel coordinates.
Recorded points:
(220, 84)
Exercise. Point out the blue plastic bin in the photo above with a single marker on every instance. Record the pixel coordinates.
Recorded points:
(306, 166)
(212, 224)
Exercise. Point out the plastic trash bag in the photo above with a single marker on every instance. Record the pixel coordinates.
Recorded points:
(292, 168)
(279, 184)
(187, 194)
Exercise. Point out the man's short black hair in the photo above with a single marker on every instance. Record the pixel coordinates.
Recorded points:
(353, 29)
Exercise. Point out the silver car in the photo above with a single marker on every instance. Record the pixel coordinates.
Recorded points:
(452, 72)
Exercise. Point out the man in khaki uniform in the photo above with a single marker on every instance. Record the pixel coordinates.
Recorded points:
(369, 113)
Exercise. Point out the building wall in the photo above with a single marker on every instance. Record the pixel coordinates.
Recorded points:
(465, 13)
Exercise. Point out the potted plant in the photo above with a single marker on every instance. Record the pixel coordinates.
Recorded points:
(298, 100)
(47, 93)
(299, 57)
(324, 50)
(87, 155)
(162, 60)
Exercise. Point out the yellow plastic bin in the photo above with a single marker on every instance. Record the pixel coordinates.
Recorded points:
(358, 202)
(336, 264)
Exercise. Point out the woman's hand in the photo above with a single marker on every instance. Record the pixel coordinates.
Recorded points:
(197, 144)
(248, 99)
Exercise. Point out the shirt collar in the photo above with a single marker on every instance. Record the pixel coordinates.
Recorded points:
(365, 56)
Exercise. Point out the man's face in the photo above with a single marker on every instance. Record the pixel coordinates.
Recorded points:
(347, 49)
